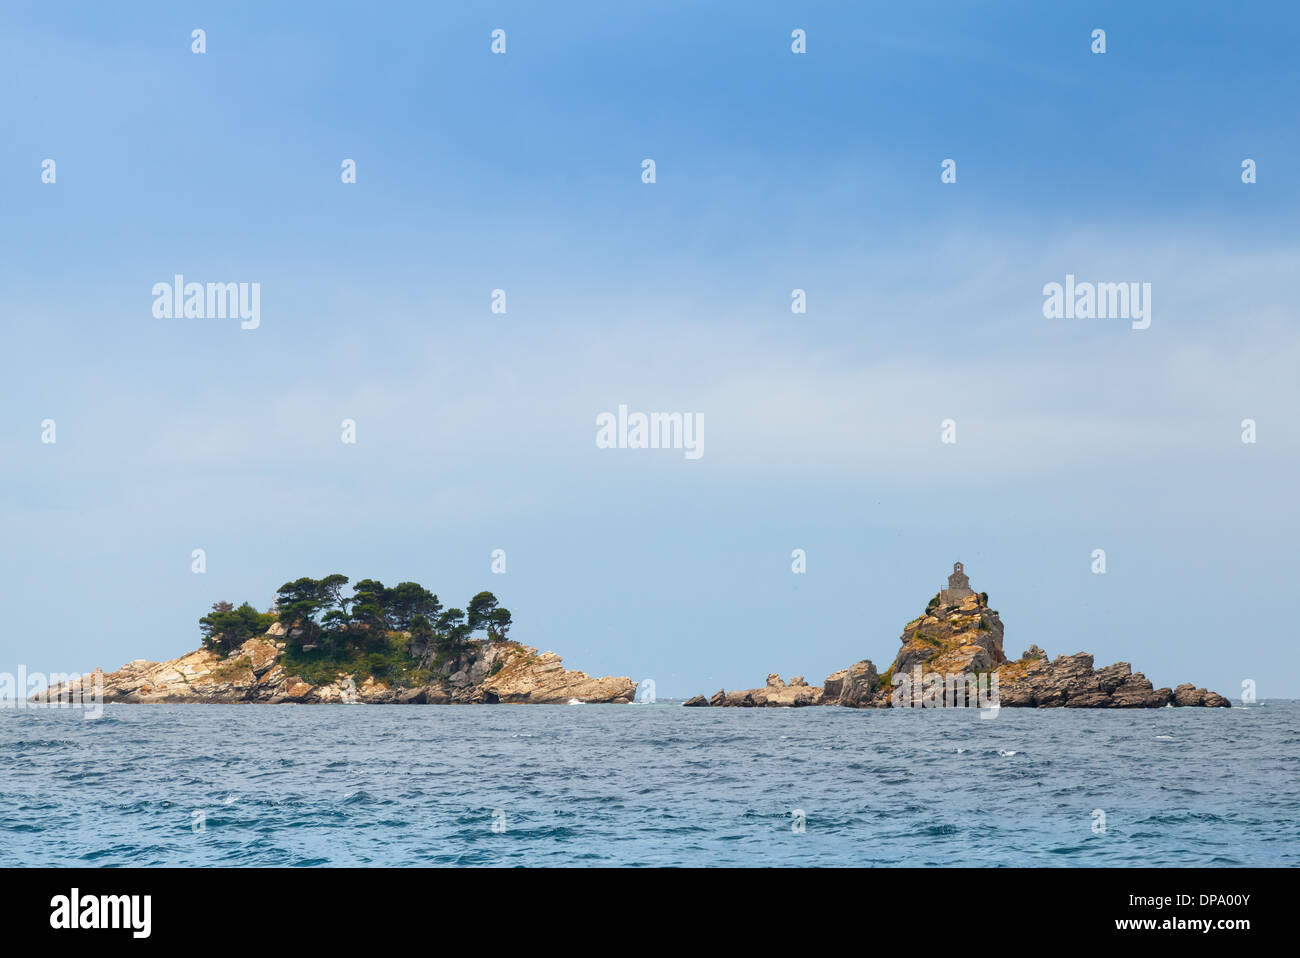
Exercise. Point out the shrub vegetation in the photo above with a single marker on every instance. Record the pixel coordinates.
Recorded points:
(398, 634)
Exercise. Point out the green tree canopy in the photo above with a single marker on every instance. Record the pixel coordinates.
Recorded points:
(480, 610)
(317, 613)
(499, 623)
(226, 628)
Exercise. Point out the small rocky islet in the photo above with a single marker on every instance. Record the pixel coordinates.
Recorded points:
(959, 635)
(492, 672)
(378, 645)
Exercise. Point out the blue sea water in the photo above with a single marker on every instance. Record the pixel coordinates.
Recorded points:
(648, 785)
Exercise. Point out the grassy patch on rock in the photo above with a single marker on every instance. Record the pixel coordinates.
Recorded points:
(230, 670)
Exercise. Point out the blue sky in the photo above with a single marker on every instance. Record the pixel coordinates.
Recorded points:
(775, 171)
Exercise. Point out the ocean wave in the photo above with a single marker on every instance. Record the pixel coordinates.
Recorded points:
(655, 786)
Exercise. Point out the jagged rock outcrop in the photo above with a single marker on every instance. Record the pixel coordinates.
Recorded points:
(775, 694)
(964, 638)
(489, 672)
(859, 685)
(525, 676)
(1070, 681)
(1186, 695)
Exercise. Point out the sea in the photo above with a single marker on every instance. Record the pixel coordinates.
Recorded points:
(648, 785)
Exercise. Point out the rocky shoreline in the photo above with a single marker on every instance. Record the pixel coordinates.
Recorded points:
(960, 637)
(488, 673)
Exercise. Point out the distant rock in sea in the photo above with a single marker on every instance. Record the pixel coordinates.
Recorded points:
(960, 637)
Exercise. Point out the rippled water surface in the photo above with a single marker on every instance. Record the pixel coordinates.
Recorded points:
(648, 785)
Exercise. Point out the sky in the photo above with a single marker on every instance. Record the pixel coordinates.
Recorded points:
(774, 171)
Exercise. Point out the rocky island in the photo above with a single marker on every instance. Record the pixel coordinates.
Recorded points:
(956, 645)
(378, 646)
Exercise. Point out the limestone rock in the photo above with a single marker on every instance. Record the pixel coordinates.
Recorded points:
(1091, 699)
(859, 685)
(1136, 692)
(524, 675)
(963, 637)
(788, 696)
(436, 695)
(1015, 696)
(774, 694)
(1113, 676)
(487, 672)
